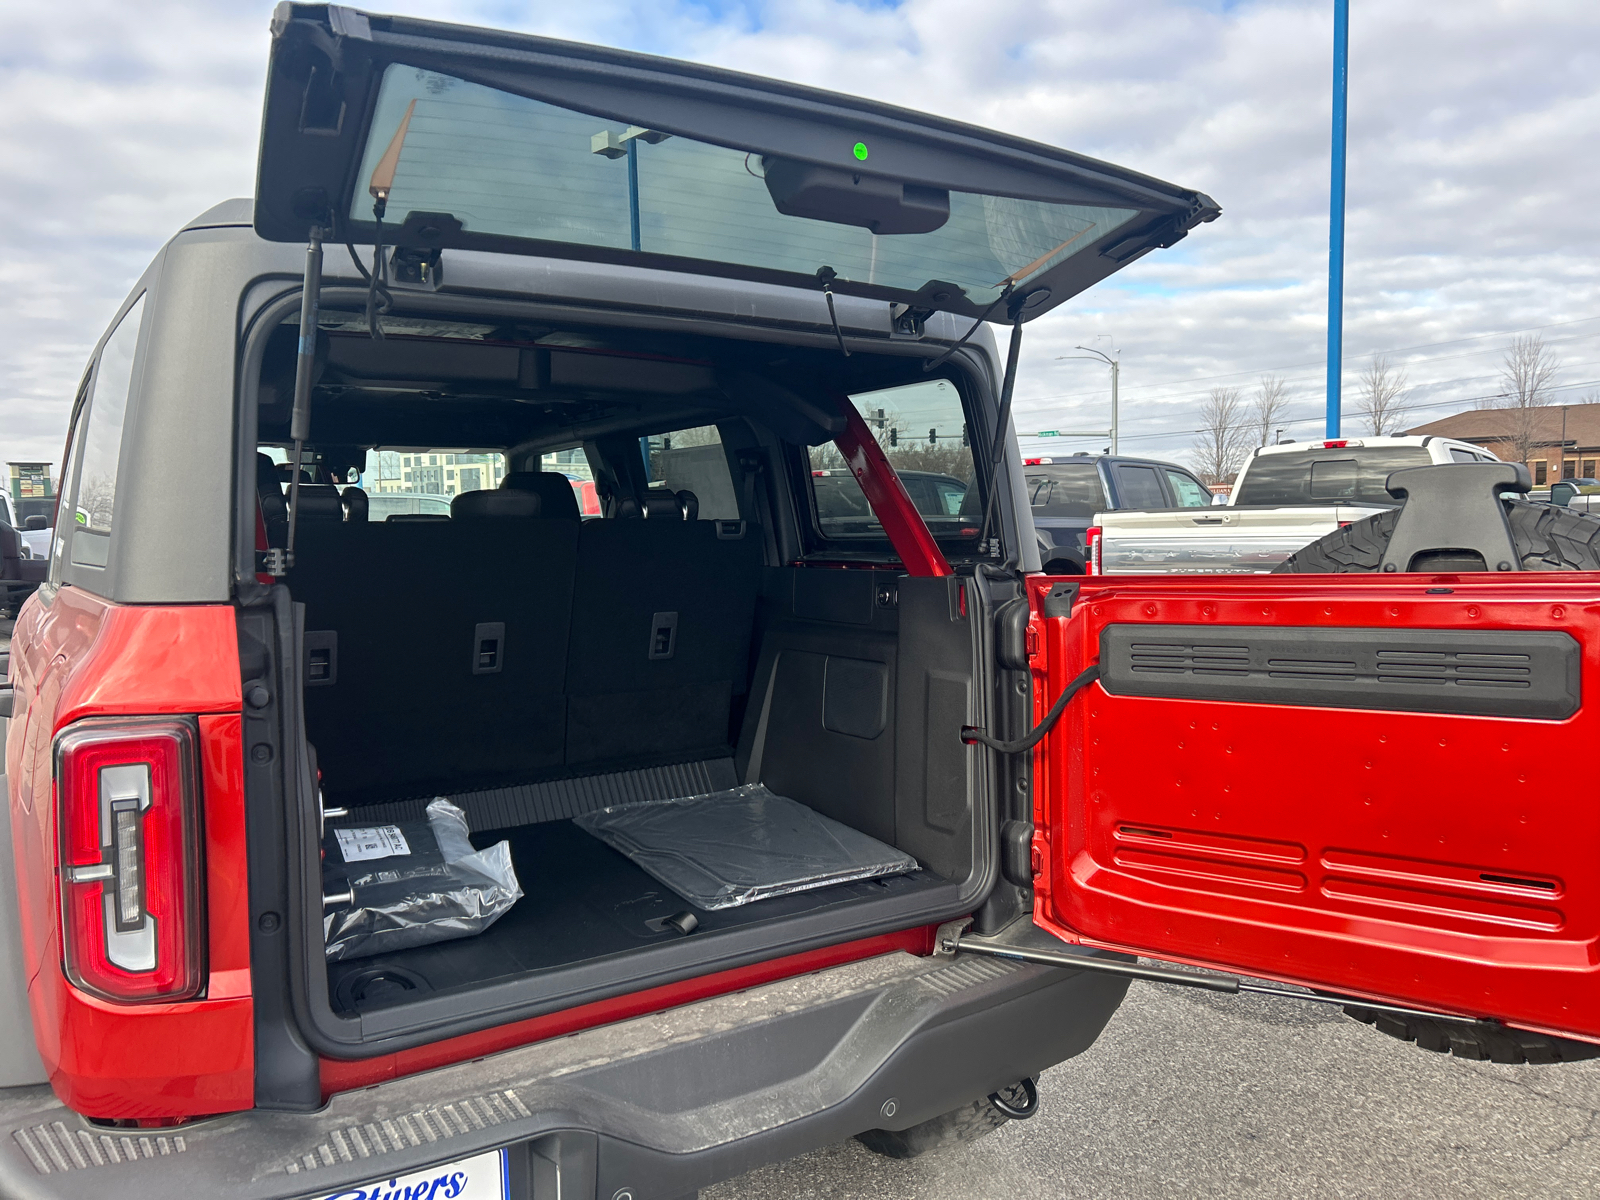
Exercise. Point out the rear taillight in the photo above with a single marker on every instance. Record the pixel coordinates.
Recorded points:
(127, 804)
(1092, 541)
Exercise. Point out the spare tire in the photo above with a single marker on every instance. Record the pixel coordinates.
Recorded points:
(1547, 537)
(1478, 1042)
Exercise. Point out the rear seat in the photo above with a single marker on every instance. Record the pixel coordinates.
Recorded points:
(662, 616)
(448, 649)
(622, 639)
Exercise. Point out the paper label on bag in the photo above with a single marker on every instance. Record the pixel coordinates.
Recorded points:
(381, 841)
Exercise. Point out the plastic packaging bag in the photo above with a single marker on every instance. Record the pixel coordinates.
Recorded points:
(412, 884)
(729, 848)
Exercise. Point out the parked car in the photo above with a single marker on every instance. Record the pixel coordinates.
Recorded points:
(1066, 493)
(381, 506)
(1284, 498)
(842, 507)
(218, 681)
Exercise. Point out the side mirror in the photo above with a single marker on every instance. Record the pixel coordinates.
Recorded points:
(37, 521)
(1562, 493)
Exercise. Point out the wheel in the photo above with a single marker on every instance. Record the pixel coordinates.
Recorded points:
(1546, 538)
(1481, 1043)
(954, 1128)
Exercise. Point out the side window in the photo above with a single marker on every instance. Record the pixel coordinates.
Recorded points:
(1191, 493)
(1462, 455)
(62, 522)
(923, 432)
(95, 498)
(693, 460)
(1139, 487)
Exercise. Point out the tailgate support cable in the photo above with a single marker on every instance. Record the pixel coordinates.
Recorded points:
(948, 940)
(971, 734)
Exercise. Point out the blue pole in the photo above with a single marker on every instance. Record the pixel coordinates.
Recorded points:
(633, 190)
(1341, 84)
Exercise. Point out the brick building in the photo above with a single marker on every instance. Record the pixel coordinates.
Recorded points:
(1576, 424)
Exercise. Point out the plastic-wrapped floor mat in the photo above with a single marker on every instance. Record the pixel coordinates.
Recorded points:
(412, 884)
(729, 848)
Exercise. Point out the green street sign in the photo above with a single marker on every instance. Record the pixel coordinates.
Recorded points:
(1048, 433)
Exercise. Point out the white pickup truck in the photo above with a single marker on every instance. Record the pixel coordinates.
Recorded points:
(1284, 498)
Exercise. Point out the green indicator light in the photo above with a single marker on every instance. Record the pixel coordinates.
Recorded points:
(861, 151)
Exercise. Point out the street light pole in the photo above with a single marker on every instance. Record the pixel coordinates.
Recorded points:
(1116, 370)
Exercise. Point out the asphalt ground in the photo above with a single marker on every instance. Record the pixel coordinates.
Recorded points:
(1193, 1094)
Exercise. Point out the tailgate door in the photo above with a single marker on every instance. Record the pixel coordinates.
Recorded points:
(1372, 787)
(475, 139)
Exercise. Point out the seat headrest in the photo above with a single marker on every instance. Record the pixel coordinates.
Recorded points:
(492, 503)
(274, 509)
(354, 501)
(320, 502)
(662, 505)
(554, 492)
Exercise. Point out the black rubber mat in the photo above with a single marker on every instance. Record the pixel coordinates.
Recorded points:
(581, 900)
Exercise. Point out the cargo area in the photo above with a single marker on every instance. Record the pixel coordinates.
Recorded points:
(585, 634)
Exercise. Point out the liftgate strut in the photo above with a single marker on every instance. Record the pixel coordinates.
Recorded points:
(948, 941)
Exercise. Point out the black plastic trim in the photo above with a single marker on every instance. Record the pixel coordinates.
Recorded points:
(1472, 672)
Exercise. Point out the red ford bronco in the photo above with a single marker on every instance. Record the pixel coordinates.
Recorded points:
(484, 266)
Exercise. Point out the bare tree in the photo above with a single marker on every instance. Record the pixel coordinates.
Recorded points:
(1525, 382)
(1224, 435)
(1383, 396)
(1267, 407)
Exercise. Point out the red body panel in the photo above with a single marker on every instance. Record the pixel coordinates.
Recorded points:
(1339, 848)
(81, 656)
(340, 1076)
(907, 532)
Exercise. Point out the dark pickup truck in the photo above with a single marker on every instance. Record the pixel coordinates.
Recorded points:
(1065, 493)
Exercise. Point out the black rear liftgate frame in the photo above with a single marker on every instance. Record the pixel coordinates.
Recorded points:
(950, 940)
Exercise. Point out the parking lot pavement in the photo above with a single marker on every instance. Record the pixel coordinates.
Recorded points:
(1191, 1094)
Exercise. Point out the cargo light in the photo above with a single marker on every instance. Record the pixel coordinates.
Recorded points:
(1092, 539)
(126, 806)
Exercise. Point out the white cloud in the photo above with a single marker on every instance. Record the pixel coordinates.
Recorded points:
(1470, 170)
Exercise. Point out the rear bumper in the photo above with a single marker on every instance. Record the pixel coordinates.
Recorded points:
(655, 1106)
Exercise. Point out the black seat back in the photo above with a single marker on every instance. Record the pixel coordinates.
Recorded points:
(661, 626)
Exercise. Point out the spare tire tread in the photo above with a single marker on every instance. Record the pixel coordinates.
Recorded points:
(1479, 1043)
(1546, 537)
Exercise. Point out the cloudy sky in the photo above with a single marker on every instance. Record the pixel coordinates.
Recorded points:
(1473, 166)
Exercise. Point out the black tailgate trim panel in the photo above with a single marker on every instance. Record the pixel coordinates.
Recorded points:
(1472, 672)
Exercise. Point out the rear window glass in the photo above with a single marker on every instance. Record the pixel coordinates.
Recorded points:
(1353, 475)
(693, 460)
(422, 481)
(1140, 487)
(922, 430)
(95, 503)
(1065, 489)
(587, 181)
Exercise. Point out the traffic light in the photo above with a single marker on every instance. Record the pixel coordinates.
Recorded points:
(894, 437)
(933, 437)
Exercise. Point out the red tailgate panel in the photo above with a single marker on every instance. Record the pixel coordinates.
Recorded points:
(1440, 860)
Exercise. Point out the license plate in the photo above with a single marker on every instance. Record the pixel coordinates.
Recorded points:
(482, 1177)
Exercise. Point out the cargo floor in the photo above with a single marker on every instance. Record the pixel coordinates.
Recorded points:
(581, 900)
